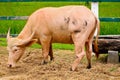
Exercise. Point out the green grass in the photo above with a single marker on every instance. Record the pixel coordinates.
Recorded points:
(110, 28)
(3, 42)
(57, 46)
(26, 8)
(15, 25)
(109, 9)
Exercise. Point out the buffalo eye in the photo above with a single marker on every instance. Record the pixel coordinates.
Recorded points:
(15, 50)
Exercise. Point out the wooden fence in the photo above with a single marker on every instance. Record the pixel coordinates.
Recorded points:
(94, 6)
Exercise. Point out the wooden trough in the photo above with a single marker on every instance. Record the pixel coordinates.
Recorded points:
(109, 44)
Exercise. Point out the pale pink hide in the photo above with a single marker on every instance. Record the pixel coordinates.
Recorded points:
(69, 24)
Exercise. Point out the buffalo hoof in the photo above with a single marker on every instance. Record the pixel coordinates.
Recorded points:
(89, 66)
(52, 59)
(44, 62)
(73, 69)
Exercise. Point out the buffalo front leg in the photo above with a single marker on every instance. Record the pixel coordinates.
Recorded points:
(46, 43)
(45, 52)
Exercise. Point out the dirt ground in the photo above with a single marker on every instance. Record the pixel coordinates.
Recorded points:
(29, 67)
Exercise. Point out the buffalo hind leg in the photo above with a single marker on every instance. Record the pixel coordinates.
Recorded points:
(88, 46)
(79, 55)
(89, 50)
(51, 53)
(79, 43)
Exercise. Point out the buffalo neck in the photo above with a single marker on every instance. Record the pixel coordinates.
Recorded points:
(25, 33)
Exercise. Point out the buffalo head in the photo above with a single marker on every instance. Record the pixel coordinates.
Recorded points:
(16, 48)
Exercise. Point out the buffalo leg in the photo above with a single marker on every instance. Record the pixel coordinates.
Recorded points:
(51, 53)
(45, 53)
(45, 43)
(79, 43)
(79, 55)
(88, 46)
(88, 53)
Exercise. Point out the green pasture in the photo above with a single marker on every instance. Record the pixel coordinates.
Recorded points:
(107, 9)
(3, 42)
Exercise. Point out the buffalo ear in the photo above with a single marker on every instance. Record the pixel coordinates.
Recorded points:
(31, 42)
(27, 44)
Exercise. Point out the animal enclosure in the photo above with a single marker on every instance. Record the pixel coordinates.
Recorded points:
(29, 67)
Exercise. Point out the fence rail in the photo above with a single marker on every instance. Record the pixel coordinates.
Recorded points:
(112, 19)
(13, 17)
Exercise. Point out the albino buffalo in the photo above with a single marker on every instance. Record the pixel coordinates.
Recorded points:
(69, 24)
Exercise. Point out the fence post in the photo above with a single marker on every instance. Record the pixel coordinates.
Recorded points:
(95, 10)
(113, 57)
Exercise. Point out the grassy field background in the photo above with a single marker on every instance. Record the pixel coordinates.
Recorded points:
(107, 9)
(3, 42)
